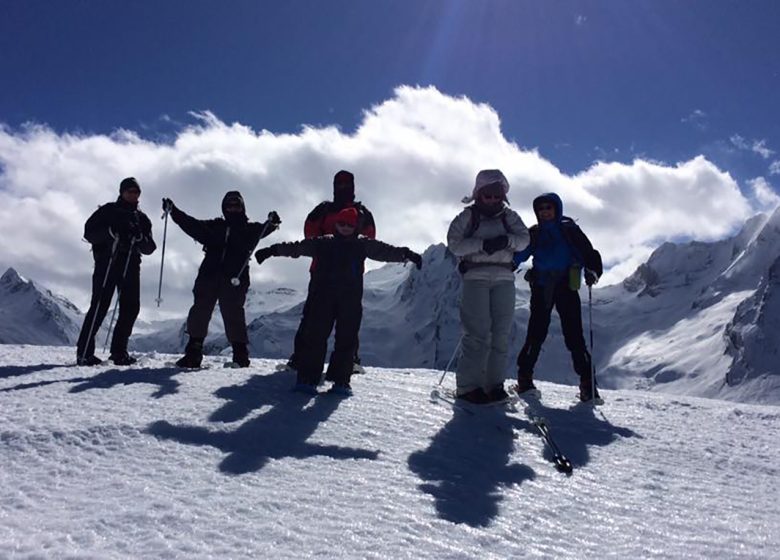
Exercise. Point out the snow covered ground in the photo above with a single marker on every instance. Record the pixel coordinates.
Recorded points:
(154, 462)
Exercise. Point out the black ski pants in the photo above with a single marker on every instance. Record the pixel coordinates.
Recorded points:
(129, 304)
(341, 306)
(567, 302)
(300, 340)
(213, 288)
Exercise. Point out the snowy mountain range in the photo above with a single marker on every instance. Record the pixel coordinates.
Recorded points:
(30, 314)
(696, 318)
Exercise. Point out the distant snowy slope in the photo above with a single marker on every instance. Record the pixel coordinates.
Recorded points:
(153, 462)
(30, 314)
(696, 318)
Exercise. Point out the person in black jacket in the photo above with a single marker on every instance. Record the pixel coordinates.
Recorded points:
(223, 275)
(335, 297)
(119, 233)
(322, 221)
(560, 251)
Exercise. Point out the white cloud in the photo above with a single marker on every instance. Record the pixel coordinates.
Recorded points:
(414, 156)
(756, 146)
(580, 20)
(774, 167)
(697, 118)
(766, 197)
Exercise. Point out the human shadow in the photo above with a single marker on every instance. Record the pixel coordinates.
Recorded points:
(467, 465)
(162, 377)
(256, 392)
(575, 430)
(17, 371)
(280, 432)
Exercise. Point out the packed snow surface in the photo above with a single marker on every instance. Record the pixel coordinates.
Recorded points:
(155, 462)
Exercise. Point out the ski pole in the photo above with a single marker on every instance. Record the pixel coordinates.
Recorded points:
(590, 326)
(235, 281)
(100, 297)
(119, 287)
(452, 359)
(162, 260)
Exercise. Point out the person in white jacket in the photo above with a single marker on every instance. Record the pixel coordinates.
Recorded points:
(484, 237)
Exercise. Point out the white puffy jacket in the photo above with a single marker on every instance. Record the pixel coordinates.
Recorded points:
(469, 249)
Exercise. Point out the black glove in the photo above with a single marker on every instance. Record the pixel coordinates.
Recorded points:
(494, 244)
(167, 204)
(591, 277)
(274, 218)
(263, 254)
(413, 257)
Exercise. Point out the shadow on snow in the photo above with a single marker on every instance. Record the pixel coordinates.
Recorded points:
(277, 433)
(467, 466)
(575, 429)
(17, 371)
(163, 377)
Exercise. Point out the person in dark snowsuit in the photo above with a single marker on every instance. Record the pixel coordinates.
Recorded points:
(322, 221)
(336, 294)
(223, 275)
(119, 233)
(560, 251)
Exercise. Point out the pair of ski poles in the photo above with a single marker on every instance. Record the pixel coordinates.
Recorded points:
(91, 332)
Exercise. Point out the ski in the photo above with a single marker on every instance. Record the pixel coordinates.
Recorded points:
(447, 396)
(560, 461)
(531, 397)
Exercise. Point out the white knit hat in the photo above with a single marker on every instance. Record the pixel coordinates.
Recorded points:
(484, 178)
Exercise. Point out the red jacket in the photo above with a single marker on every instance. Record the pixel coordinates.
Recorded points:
(322, 220)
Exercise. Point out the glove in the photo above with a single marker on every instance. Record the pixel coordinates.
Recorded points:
(263, 254)
(274, 218)
(591, 277)
(413, 257)
(494, 244)
(167, 204)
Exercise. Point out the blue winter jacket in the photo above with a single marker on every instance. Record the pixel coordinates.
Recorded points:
(552, 253)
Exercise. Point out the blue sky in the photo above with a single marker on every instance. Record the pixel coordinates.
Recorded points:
(675, 99)
(580, 80)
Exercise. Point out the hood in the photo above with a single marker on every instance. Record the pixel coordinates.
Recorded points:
(555, 199)
(233, 195)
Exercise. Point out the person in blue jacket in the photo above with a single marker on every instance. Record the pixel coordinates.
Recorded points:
(560, 252)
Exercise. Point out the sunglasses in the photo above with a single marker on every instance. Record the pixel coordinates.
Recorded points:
(544, 207)
(492, 197)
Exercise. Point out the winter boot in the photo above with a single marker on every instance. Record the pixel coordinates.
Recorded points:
(88, 360)
(193, 354)
(525, 383)
(240, 354)
(475, 396)
(341, 390)
(122, 359)
(587, 390)
(497, 394)
(305, 388)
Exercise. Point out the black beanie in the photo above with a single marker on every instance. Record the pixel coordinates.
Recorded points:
(129, 183)
(344, 196)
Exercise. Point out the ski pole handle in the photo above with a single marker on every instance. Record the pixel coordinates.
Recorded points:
(236, 280)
